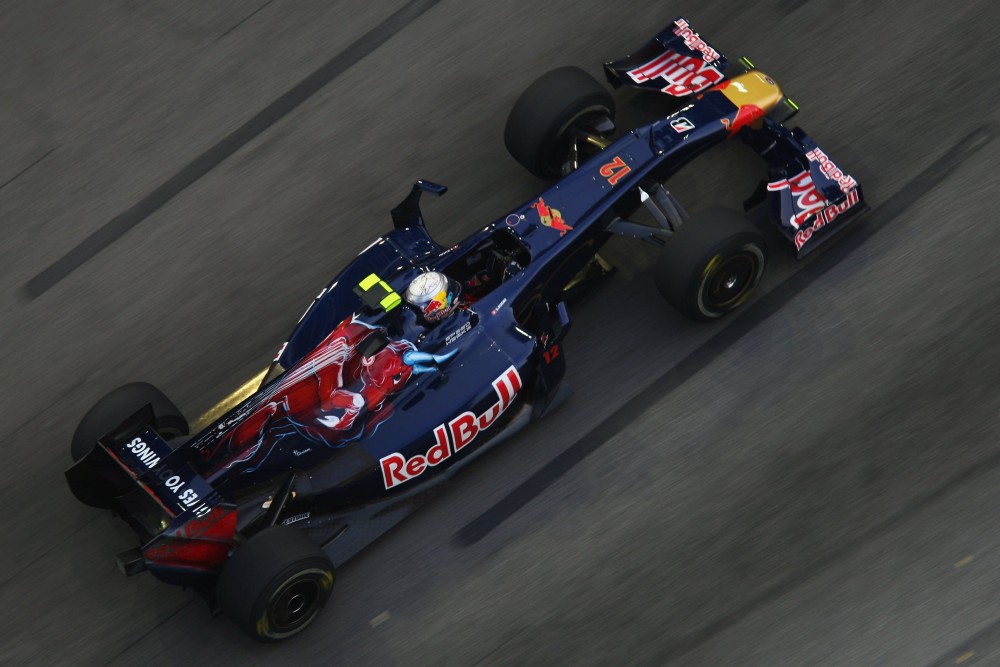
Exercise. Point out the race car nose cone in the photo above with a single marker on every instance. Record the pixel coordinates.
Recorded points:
(754, 88)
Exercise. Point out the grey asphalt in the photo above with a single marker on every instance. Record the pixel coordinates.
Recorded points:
(812, 482)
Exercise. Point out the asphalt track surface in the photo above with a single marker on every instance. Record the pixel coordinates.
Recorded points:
(812, 482)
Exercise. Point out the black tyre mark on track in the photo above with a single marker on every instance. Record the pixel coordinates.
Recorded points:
(758, 312)
(115, 228)
(26, 169)
(244, 19)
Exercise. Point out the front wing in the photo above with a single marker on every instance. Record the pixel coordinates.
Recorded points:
(807, 192)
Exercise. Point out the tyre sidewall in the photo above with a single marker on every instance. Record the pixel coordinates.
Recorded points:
(253, 578)
(261, 613)
(555, 102)
(747, 243)
(685, 267)
(120, 404)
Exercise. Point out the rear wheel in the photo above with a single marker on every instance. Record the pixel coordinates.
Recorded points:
(540, 128)
(276, 584)
(712, 264)
(117, 406)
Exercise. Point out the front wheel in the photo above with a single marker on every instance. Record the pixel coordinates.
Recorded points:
(540, 128)
(712, 264)
(276, 584)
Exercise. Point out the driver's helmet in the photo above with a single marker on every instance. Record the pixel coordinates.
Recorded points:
(434, 294)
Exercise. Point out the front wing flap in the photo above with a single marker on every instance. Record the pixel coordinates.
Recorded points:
(807, 192)
(677, 62)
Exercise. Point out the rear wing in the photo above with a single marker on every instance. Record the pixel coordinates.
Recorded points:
(677, 61)
(182, 521)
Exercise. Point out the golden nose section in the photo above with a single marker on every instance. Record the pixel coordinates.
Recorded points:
(754, 88)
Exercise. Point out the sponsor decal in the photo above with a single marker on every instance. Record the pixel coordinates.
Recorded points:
(199, 526)
(214, 531)
(806, 199)
(683, 74)
(831, 170)
(513, 219)
(458, 333)
(825, 217)
(453, 437)
(300, 452)
(551, 354)
(187, 497)
(745, 115)
(297, 517)
(439, 301)
(694, 42)
(143, 452)
(202, 510)
(180, 482)
(498, 306)
(681, 125)
(615, 170)
(551, 217)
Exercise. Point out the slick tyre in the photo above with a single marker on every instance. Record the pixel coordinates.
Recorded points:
(712, 264)
(276, 584)
(539, 126)
(109, 413)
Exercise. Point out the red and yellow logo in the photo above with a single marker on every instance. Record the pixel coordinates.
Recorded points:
(551, 217)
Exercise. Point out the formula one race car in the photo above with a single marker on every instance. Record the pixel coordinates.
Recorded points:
(417, 357)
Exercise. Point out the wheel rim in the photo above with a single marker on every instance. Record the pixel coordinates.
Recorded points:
(295, 603)
(730, 281)
(561, 153)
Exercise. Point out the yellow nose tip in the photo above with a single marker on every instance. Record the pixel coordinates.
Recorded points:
(753, 87)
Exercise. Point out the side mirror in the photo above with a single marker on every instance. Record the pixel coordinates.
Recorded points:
(407, 213)
(433, 188)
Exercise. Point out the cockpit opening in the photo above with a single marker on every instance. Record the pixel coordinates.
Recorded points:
(495, 260)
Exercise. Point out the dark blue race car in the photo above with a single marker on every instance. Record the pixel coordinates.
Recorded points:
(417, 357)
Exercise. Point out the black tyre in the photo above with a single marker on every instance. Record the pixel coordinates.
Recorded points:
(712, 264)
(275, 585)
(537, 134)
(109, 413)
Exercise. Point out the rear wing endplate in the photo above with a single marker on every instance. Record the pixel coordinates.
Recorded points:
(134, 469)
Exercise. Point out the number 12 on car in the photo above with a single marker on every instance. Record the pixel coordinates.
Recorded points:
(615, 170)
